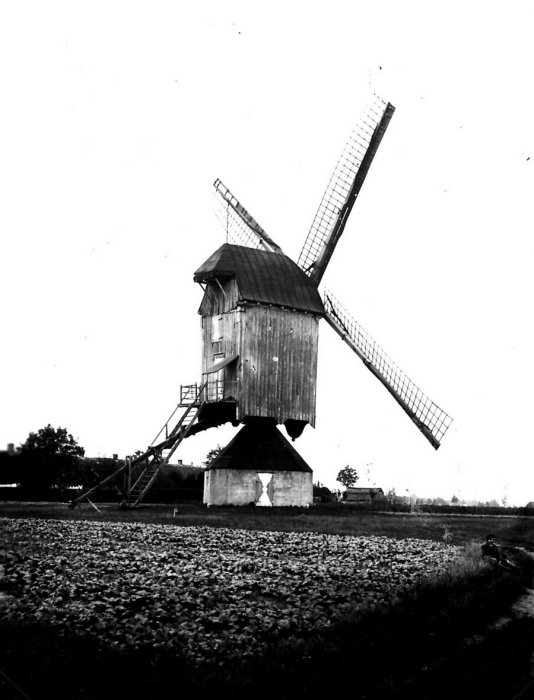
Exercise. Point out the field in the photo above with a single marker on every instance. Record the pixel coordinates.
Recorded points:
(111, 603)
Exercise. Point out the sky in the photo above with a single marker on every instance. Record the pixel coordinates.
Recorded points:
(116, 119)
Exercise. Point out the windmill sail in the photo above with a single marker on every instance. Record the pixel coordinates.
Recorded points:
(431, 420)
(343, 189)
(240, 226)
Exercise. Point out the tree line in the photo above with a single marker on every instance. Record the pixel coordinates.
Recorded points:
(52, 458)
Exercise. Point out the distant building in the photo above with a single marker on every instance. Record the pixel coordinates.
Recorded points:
(364, 496)
(9, 465)
(11, 450)
(115, 462)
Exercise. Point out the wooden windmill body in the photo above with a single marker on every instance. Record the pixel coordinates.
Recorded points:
(260, 316)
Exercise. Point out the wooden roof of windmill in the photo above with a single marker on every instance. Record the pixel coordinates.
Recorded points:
(262, 277)
(276, 453)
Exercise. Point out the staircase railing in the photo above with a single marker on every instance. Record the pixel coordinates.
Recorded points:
(141, 472)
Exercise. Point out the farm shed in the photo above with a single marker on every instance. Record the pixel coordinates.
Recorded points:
(259, 466)
(364, 496)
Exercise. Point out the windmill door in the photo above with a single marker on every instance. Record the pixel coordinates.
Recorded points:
(222, 378)
(216, 385)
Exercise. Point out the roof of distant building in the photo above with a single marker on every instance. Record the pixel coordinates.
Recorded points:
(364, 494)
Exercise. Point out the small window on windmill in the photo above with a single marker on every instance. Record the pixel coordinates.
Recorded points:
(216, 328)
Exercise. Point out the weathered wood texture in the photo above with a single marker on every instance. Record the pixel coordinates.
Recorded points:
(219, 297)
(278, 364)
(221, 335)
(275, 374)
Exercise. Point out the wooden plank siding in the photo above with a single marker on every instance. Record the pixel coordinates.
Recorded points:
(214, 349)
(278, 364)
(275, 375)
(219, 300)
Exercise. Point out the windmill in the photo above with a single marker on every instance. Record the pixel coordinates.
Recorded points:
(260, 317)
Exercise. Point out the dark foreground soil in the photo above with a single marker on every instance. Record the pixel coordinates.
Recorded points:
(462, 641)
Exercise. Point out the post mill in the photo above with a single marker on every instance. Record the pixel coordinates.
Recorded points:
(260, 315)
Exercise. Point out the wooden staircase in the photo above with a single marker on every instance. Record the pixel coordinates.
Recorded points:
(158, 457)
(141, 472)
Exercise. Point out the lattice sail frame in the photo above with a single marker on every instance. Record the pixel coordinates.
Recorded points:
(240, 226)
(327, 227)
(343, 188)
(431, 420)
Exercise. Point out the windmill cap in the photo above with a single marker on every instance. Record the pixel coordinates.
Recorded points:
(262, 277)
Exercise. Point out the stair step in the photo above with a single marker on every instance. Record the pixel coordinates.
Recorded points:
(156, 456)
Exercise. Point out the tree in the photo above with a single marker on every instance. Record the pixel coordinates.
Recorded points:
(212, 455)
(347, 476)
(391, 495)
(92, 471)
(439, 501)
(180, 477)
(50, 457)
(322, 493)
(9, 467)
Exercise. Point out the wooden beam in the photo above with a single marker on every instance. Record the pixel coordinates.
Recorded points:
(322, 261)
(343, 332)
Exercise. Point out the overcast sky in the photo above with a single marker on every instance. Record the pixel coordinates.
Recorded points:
(116, 118)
